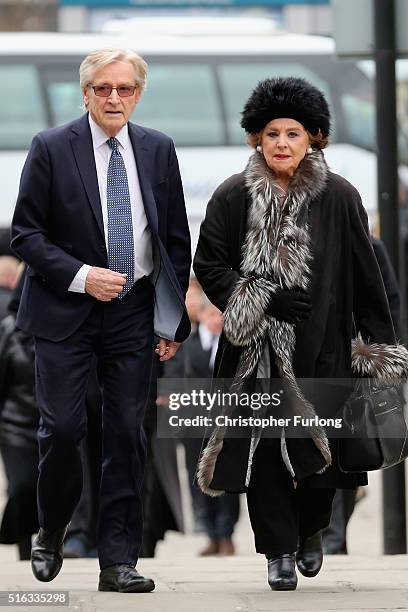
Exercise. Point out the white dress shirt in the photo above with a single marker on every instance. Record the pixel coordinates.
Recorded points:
(143, 264)
(208, 341)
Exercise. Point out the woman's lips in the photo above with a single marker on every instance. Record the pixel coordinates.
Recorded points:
(281, 156)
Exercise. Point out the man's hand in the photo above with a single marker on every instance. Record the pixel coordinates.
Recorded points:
(166, 349)
(104, 284)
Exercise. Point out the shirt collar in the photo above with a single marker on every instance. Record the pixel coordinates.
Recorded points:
(99, 137)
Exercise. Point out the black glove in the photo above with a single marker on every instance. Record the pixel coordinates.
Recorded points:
(290, 306)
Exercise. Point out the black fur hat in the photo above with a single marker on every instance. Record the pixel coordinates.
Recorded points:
(286, 97)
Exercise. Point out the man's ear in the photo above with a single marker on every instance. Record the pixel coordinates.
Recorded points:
(85, 93)
(138, 95)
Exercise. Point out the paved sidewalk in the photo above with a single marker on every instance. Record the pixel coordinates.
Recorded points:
(363, 580)
(224, 585)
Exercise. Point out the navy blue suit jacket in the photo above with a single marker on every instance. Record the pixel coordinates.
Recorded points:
(58, 226)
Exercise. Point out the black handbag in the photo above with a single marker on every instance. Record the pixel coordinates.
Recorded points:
(374, 427)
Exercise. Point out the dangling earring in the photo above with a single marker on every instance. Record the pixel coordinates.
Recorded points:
(309, 150)
(259, 149)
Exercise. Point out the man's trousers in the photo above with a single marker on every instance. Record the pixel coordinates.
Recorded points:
(120, 334)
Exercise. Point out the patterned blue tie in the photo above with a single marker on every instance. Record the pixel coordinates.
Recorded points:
(120, 229)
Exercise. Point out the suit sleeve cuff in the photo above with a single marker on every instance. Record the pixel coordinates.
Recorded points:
(78, 283)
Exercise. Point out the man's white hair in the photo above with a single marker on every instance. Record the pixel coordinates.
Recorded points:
(103, 57)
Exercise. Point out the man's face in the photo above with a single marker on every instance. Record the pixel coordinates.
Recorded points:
(113, 112)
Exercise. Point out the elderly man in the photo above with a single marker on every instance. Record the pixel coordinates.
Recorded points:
(100, 220)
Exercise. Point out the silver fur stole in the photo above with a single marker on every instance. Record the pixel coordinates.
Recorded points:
(276, 253)
(385, 362)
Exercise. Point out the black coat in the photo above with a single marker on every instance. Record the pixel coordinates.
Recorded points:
(345, 279)
(19, 413)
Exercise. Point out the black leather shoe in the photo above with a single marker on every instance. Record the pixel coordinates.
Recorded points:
(309, 556)
(282, 572)
(46, 554)
(124, 579)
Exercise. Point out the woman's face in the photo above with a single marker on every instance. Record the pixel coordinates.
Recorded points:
(284, 144)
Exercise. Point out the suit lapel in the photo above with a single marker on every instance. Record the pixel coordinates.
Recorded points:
(81, 141)
(142, 152)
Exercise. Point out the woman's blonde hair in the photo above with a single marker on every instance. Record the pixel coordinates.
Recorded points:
(98, 59)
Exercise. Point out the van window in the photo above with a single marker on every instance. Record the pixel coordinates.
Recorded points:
(238, 80)
(359, 116)
(65, 100)
(24, 114)
(64, 94)
(181, 100)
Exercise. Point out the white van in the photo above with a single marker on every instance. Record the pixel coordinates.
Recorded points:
(196, 90)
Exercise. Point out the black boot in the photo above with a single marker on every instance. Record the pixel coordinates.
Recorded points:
(282, 573)
(46, 554)
(309, 556)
